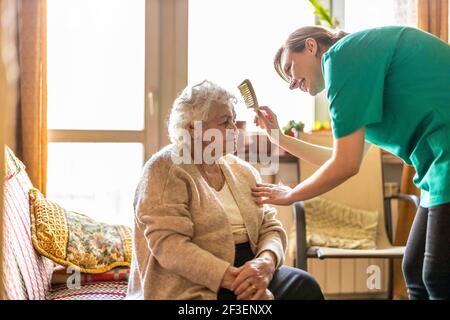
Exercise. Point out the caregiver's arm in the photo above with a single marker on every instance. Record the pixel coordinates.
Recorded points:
(312, 153)
(344, 162)
(309, 152)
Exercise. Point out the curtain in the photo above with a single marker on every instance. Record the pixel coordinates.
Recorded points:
(405, 12)
(9, 72)
(432, 16)
(32, 109)
(9, 48)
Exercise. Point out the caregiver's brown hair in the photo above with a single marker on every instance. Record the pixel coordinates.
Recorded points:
(296, 43)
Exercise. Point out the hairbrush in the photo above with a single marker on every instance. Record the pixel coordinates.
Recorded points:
(248, 93)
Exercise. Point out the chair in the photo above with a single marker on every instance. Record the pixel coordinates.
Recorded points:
(363, 191)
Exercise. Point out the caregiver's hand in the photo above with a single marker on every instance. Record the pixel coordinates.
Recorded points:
(266, 119)
(277, 194)
(254, 278)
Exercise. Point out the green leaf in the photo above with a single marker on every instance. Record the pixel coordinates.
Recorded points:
(323, 13)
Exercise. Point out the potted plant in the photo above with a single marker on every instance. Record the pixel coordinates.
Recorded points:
(293, 128)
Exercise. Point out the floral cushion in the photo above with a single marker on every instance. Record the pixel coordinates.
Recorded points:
(74, 239)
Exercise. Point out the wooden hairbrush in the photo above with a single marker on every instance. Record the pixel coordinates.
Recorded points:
(248, 93)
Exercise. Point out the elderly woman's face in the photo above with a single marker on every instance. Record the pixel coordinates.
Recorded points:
(222, 117)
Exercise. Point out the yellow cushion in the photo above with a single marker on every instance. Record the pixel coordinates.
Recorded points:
(74, 239)
(331, 224)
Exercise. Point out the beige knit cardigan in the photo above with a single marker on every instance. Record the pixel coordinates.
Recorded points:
(183, 242)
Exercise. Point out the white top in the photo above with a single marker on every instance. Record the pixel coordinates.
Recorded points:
(234, 214)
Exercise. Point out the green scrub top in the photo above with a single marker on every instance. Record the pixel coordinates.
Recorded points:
(395, 82)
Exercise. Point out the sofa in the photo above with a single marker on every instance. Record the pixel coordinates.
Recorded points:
(30, 275)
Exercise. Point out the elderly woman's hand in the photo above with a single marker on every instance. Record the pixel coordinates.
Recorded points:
(277, 194)
(263, 295)
(255, 277)
(229, 277)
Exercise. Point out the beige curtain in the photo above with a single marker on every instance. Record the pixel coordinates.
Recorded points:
(32, 126)
(432, 16)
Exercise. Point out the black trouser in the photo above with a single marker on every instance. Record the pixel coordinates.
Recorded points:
(426, 264)
(287, 283)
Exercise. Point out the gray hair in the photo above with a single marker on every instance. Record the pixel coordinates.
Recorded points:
(193, 104)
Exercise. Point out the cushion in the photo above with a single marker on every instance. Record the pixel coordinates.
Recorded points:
(110, 290)
(12, 164)
(331, 224)
(27, 274)
(61, 274)
(74, 239)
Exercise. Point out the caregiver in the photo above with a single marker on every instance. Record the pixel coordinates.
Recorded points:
(388, 86)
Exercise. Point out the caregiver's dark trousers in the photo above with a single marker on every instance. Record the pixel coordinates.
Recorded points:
(287, 283)
(426, 264)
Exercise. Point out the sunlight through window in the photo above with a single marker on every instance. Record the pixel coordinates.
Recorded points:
(231, 40)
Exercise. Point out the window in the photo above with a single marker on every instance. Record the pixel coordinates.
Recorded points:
(96, 105)
(231, 40)
(365, 14)
(97, 179)
(96, 64)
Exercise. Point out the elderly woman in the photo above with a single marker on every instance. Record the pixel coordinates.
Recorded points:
(198, 232)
